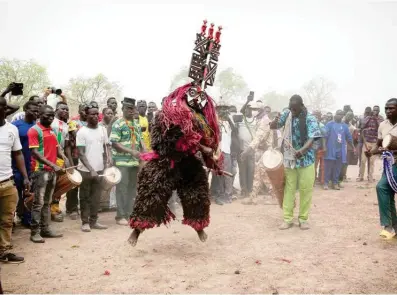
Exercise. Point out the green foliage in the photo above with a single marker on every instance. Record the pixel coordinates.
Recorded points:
(231, 86)
(98, 88)
(33, 75)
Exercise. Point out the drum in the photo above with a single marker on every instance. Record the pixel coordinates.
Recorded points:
(389, 142)
(111, 177)
(273, 162)
(66, 182)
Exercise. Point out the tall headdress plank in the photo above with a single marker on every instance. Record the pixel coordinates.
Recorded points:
(205, 56)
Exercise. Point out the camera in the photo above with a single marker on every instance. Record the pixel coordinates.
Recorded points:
(55, 91)
(223, 110)
(238, 118)
(18, 89)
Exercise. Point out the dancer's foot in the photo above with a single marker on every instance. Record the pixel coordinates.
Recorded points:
(202, 235)
(133, 239)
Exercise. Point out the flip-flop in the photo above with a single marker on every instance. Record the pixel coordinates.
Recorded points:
(386, 235)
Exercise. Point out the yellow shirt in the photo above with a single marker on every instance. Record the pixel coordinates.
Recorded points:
(143, 122)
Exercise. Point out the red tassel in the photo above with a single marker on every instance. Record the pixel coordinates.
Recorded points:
(218, 35)
(211, 32)
(204, 27)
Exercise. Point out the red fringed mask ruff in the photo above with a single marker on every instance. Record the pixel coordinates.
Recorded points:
(177, 113)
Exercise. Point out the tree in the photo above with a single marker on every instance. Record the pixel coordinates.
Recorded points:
(275, 100)
(231, 86)
(319, 93)
(98, 88)
(33, 76)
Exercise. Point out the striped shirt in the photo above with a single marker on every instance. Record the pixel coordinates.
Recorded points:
(129, 135)
(371, 125)
(44, 140)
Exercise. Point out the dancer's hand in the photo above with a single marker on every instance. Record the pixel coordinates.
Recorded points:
(274, 124)
(368, 153)
(299, 153)
(135, 154)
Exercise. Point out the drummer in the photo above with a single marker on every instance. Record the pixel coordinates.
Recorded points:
(384, 191)
(61, 130)
(92, 143)
(44, 151)
(300, 130)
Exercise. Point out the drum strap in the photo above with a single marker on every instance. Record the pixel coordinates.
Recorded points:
(388, 161)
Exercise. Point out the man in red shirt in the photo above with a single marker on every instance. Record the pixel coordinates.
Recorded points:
(44, 152)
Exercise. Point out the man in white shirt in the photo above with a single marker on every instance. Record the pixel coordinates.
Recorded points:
(9, 143)
(386, 187)
(222, 185)
(93, 146)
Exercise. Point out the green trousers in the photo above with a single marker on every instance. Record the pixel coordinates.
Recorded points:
(386, 202)
(304, 179)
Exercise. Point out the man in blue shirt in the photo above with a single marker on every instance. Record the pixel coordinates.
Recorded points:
(337, 134)
(300, 130)
(31, 110)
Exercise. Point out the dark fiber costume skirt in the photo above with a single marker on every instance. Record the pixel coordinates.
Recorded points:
(156, 181)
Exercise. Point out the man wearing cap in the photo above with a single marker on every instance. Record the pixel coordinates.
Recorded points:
(126, 139)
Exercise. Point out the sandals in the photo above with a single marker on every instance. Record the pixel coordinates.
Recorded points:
(386, 235)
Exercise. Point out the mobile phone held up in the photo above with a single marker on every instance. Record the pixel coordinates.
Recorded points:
(251, 96)
(17, 90)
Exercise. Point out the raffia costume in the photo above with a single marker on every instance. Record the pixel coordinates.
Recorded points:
(184, 137)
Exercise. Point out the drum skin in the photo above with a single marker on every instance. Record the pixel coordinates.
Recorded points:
(273, 162)
(111, 177)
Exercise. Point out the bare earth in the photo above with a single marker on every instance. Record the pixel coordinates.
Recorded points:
(245, 253)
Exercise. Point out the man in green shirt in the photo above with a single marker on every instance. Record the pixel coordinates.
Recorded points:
(126, 138)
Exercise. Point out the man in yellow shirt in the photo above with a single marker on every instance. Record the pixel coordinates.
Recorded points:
(144, 123)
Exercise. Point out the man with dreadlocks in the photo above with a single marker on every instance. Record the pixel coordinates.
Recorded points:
(300, 130)
(185, 128)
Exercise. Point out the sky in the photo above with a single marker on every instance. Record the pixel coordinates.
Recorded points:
(274, 45)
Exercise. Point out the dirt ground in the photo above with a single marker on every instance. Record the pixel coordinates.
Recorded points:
(245, 253)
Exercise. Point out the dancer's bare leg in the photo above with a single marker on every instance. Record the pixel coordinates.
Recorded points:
(202, 235)
(133, 239)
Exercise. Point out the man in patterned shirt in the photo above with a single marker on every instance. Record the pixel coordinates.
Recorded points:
(126, 139)
(300, 130)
